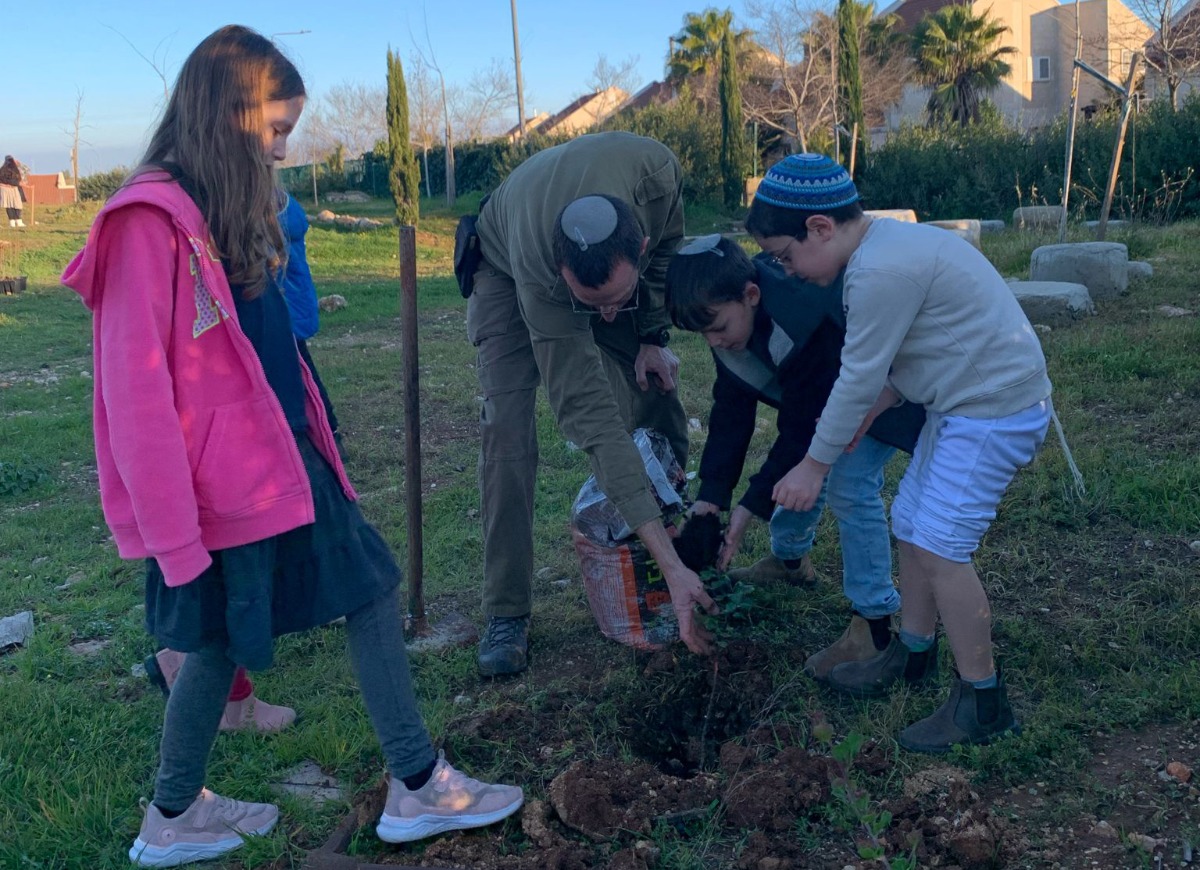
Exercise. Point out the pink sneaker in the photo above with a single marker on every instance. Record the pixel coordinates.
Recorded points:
(209, 828)
(251, 714)
(450, 801)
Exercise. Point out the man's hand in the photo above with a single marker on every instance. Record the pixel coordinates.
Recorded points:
(687, 592)
(659, 361)
(887, 399)
(800, 487)
(739, 521)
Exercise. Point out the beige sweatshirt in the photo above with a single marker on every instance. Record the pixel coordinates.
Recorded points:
(927, 314)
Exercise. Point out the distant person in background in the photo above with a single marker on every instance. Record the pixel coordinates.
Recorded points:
(12, 198)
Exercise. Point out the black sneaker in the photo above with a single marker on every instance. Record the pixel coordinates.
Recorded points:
(505, 646)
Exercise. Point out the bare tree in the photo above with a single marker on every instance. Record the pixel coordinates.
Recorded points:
(1173, 52)
(159, 67)
(431, 62)
(477, 108)
(422, 111)
(789, 87)
(351, 115)
(623, 75)
(74, 132)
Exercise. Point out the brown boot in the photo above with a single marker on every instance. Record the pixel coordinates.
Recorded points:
(770, 569)
(251, 714)
(855, 645)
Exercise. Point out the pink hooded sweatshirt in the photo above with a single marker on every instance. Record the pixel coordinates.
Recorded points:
(193, 449)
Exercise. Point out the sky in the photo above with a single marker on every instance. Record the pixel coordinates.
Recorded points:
(57, 50)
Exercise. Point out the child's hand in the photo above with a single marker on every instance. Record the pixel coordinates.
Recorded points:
(739, 520)
(700, 508)
(800, 487)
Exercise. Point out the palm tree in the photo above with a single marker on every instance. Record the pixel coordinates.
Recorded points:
(959, 56)
(696, 50)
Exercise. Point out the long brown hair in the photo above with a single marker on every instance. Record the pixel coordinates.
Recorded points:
(212, 129)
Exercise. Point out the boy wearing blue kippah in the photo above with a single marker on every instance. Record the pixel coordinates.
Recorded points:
(930, 321)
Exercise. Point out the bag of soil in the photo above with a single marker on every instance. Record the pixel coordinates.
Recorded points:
(625, 588)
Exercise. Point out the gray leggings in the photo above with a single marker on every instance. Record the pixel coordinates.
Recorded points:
(375, 633)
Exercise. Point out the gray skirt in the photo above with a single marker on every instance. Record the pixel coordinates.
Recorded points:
(290, 582)
(10, 197)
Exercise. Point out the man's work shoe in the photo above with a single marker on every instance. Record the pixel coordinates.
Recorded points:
(505, 646)
(969, 716)
(873, 677)
(855, 645)
(770, 569)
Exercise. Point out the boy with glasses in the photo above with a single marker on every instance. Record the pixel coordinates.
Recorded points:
(929, 319)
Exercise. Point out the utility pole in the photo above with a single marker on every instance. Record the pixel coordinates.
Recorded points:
(517, 63)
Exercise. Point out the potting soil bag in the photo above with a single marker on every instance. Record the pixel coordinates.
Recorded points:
(625, 588)
(626, 593)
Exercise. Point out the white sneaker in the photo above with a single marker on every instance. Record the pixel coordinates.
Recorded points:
(450, 801)
(209, 828)
(20, 222)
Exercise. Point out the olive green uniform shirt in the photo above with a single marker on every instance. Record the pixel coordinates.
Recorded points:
(516, 231)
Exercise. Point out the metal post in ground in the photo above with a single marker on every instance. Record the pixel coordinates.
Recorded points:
(412, 429)
(452, 628)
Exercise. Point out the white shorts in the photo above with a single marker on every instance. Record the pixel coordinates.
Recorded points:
(958, 474)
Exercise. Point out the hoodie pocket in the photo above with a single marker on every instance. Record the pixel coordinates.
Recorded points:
(241, 466)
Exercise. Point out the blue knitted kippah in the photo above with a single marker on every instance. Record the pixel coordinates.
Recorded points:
(811, 182)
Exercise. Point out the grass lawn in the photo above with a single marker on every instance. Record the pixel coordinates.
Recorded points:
(1095, 604)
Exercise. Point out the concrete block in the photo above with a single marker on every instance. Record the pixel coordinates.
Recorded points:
(1140, 269)
(1054, 303)
(897, 214)
(1103, 267)
(1032, 217)
(1111, 223)
(16, 629)
(968, 230)
(991, 226)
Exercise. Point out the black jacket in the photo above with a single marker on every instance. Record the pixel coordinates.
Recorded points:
(791, 364)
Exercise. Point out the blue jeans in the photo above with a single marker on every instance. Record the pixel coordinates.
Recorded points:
(853, 492)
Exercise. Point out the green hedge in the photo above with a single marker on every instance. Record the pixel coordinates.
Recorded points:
(988, 169)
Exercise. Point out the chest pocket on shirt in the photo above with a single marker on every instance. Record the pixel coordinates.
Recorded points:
(658, 184)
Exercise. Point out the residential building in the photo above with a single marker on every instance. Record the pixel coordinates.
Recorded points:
(1043, 34)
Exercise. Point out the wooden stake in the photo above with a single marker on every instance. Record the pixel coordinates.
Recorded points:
(1066, 194)
(1122, 125)
(412, 429)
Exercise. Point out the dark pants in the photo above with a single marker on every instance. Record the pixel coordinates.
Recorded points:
(376, 637)
(508, 457)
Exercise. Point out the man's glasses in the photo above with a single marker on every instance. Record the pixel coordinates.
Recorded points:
(579, 307)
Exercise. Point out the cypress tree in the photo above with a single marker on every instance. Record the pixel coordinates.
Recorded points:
(850, 97)
(404, 173)
(733, 133)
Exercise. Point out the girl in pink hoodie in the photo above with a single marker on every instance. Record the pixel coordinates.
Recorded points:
(216, 459)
